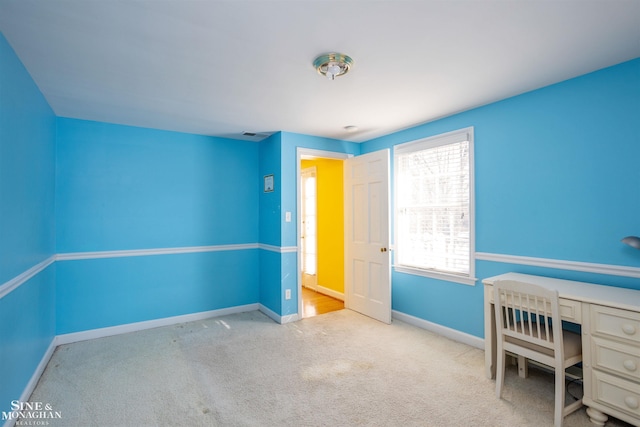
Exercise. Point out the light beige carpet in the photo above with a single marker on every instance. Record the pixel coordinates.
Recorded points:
(338, 369)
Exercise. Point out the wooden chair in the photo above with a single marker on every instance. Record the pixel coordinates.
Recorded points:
(528, 324)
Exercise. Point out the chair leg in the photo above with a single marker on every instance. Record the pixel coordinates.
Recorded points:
(500, 366)
(558, 413)
(523, 367)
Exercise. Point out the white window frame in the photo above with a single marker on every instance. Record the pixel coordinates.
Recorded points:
(460, 135)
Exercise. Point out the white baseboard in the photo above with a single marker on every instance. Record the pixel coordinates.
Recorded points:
(276, 317)
(149, 324)
(121, 329)
(452, 334)
(289, 318)
(269, 313)
(331, 293)
(35, 377)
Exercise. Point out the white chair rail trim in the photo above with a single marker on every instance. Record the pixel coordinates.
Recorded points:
(587, 267)
(279, 249)
(155, 251)
(23, 277)
(606, 269)
(14, 283)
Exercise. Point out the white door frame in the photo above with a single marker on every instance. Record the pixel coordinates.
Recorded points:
(307, 154)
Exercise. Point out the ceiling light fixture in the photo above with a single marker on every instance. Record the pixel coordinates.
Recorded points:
(333, 65)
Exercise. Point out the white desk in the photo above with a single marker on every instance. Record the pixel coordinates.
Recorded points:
(610, 321)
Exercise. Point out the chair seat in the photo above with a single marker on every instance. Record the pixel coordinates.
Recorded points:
(572, 341)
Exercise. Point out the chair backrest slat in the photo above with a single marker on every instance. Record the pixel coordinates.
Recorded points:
(528, 320)
(543, 322)
(538, 318)
(527, 313)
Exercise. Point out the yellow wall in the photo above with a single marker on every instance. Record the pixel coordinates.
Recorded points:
(330, 222)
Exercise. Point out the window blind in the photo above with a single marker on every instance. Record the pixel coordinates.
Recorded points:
(433, 201)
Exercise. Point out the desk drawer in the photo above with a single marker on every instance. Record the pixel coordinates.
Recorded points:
(570, 310)
(615, 357)
(616, 393)
(616, 323)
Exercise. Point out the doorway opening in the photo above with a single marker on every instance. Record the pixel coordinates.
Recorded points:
(309, 229)
(320, 232)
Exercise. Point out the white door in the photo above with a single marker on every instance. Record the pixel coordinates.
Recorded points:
(367, 255)
(309, 241)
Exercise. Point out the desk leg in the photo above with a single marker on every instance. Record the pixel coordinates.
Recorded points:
(596, 417)
(489, 334)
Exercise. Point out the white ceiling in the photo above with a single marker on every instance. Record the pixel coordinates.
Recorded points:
(224, 67)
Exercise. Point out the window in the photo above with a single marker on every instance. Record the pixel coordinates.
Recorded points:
(434, 210)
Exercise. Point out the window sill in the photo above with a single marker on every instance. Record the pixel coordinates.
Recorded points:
(435, 275)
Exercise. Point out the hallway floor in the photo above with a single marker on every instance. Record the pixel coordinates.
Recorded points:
(315, 303)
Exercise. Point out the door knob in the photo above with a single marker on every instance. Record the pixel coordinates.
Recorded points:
(383, 249)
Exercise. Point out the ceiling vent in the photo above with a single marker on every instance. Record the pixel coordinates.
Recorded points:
(254, 136)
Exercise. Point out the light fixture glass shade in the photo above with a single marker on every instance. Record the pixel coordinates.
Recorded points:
(333, 65)
(633, 241)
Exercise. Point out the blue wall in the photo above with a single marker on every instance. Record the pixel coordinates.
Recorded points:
(97, 293)
(290, 144)
(271, 219)
(27, 185)
(279, 271)
(121, 188)
(270, 202)
(27, 164)
(556, 177)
